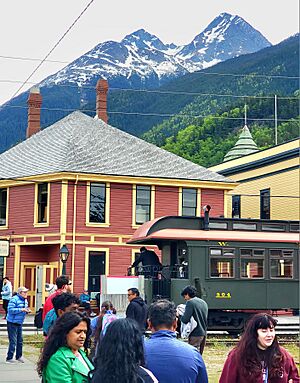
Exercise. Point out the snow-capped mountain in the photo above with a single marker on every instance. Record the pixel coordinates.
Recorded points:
(227, 36)
(140, 60)
(143, 60)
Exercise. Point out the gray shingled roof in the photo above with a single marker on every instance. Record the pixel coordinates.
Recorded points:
(81, 144)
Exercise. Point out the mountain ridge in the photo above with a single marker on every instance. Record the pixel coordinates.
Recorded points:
(138, 64)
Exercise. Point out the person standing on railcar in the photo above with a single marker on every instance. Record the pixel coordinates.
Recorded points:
(150, 261)
(258, 358)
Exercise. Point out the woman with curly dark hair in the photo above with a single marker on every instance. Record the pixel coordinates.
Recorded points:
(258, 358)
(120, 355)
(63, 359)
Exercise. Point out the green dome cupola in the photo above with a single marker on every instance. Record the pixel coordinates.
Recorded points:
(244, 145)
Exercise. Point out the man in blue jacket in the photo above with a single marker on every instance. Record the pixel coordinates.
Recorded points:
(170, 359)
(17, 310)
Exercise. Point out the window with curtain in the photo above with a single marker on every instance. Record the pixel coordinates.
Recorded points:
(236, 206)
(42, 202)
(265, 204)
(97, 203)
(3, 207)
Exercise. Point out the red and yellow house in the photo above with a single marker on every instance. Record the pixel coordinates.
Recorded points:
(88, 185)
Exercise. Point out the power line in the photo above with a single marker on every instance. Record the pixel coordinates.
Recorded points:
(199, 94)
(198, 72)
(179, 115)
(80, 184)
(250, 75)
(52, 49)
(161, 91)
(32, 59)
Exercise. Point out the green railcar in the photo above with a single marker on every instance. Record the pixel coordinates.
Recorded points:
(239, 266)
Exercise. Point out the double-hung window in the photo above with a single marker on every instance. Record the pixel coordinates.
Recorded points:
(3, 207)
(143, 204)
(265, 208)
(97, 203)
(42, 202)
(236, 206)
(189, 202)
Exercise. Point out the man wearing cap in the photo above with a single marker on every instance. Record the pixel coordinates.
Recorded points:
(17, 310)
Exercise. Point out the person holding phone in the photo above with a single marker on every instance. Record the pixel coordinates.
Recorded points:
(16, 312)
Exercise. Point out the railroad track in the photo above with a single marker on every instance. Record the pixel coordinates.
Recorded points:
(226, 339)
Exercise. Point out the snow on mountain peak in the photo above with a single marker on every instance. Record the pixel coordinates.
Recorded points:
(142, 59)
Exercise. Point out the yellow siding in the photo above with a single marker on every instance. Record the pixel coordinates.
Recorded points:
(265, 170)
(285, 185)
(257, 156)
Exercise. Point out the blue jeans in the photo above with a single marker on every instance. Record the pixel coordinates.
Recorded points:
(15, 340)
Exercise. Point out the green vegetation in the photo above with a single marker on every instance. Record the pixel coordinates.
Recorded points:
(206, 93)
(207, 140)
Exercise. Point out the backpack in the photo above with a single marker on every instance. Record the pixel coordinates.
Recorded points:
(38, 318)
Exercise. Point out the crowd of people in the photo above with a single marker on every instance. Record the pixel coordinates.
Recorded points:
(110, 349)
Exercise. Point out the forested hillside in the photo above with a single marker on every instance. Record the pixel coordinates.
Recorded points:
(208, 139)
(205, 92)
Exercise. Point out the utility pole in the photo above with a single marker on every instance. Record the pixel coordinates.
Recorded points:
(275, 119)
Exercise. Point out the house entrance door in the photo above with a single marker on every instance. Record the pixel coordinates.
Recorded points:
(29, 277)
(45, 280)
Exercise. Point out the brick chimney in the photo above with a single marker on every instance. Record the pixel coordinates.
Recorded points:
(34, 103)
(101, 101)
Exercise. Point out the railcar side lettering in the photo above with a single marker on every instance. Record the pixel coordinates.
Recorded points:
(223, 295)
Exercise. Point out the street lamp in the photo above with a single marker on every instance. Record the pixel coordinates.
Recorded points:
(64, 255)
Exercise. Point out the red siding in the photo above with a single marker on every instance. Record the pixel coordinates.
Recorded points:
(166, 201)
(21, 210)
(121, 209)
(78, 282)
(21, 216)
(10, 265)
(41, 253)
(214, 198)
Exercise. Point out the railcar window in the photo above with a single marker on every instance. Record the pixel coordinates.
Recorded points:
(218, 225)
(251, 268)
(272, 227)
(295, 227)
(281, 263)
(215, 251)
(281, 253)
(244, 226)
(222, 263)
(252, 252)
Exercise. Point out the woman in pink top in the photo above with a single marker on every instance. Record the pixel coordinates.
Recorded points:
(258, 358)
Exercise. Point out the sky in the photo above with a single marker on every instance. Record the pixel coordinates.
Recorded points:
(31, 28)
